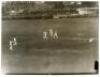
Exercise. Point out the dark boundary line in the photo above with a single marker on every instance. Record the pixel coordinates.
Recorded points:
(51, 73)
(20, 18)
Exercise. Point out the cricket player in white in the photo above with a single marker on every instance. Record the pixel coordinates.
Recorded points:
(12, 43)
(55, 36)
(45, 36)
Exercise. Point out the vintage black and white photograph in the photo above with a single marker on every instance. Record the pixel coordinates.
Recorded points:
(50, 37)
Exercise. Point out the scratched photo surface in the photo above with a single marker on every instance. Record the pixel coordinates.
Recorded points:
(41, 37)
